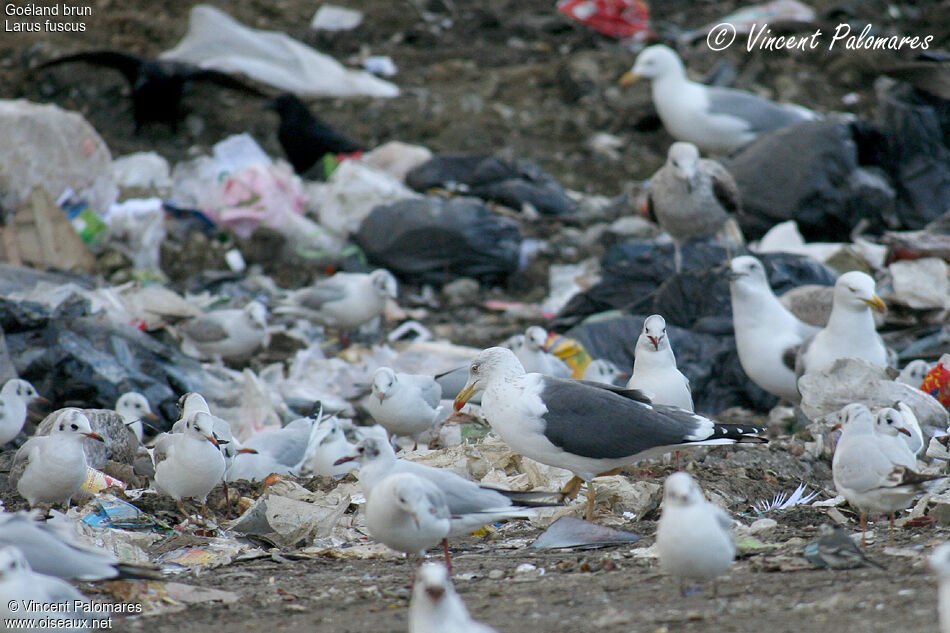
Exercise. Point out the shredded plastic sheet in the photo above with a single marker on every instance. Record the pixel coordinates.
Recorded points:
(216, 40)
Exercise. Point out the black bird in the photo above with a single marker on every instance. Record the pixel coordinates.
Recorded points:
(157, 84)
(304, 137)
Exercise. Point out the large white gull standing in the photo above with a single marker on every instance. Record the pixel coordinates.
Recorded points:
(715, 119)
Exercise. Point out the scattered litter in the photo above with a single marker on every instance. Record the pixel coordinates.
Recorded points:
(569, 532)
(112, 512)
(216, 40)
(381, 65)
(215, 553)
(330, 17)
(622, 19)
(98, 481)
(159, 598)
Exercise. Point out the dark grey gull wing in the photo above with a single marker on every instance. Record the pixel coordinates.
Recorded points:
(760, 114)
(204, 330)
(600, 423)
(630, 394)
(724, 186)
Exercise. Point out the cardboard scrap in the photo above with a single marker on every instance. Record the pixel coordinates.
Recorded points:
(165, 597)
(40, 234)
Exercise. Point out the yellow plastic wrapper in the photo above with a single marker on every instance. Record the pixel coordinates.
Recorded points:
(98, 481)
(570, 351)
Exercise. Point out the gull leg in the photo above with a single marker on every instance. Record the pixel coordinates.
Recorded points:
(227, 499)
(181, 508)
(591, 499)
(448, 561)
(206, 513)
(864, 529)
(683, 588)
(715, 589)
(890, 532)
(677, 257)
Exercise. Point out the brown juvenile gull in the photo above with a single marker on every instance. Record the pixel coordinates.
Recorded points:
(716, 119)
(587, 428)
(692, 198)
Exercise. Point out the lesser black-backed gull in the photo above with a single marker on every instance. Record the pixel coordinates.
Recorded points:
(587, 428)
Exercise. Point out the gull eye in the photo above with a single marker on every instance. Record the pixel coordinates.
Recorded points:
(474, 368)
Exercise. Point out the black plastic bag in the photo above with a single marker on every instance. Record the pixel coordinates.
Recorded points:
(435, 240)
(810, 173)
(489, 178)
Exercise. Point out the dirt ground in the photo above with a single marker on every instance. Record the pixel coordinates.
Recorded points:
(510, 77)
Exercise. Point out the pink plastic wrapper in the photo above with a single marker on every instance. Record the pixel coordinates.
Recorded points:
(258, 195)
(623, 19)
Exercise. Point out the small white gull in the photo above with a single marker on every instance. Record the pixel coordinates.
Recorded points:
(435, 606)
(50, 469)
(694, 537)
(654, 367)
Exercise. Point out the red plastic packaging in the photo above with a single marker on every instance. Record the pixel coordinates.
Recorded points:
(622, 19)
